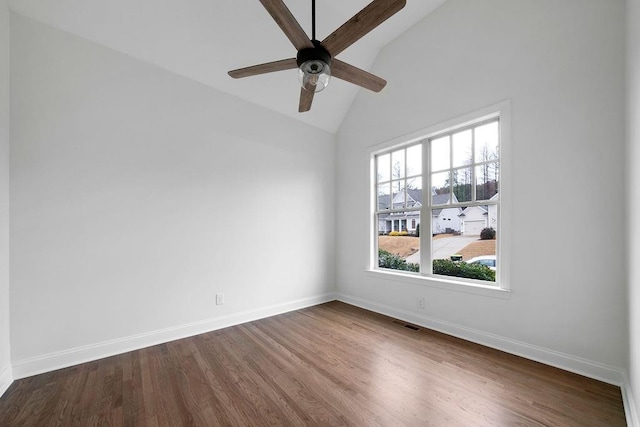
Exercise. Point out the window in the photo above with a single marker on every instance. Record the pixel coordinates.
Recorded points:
(399, 199)
(438, 202)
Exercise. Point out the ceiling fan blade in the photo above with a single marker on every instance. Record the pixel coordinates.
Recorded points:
(306, 98)
(355, 75)
(288, 23)
(360, 24)
(269, 67)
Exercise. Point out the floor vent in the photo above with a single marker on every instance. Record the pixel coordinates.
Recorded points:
(407, 325)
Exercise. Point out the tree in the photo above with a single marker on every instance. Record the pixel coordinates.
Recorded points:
(489, 174)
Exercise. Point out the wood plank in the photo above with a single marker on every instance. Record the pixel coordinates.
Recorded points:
(269, 67)
(332, 364)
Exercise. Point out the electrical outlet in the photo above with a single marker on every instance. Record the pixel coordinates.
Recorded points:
(219, 299)
(420, 302)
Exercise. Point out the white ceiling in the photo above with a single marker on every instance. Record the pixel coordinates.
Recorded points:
(203, 39)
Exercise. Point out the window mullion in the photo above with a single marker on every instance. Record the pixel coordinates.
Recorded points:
(373, 257)
(450, 169)
(406, 192)
(425, 213)
(473, 165)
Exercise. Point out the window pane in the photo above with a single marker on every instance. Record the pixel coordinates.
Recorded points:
(383, 165)
(397, 164)
(440, 184)
(487, 180)
(440, 154)
(414, 160)
(486, 140)
(398, 241)
(462, 185)
(399, 196)
(384, 198)
(414, 192)
(464, 249)
(399, 192)
(445, 221)
(462, 148)
(397, 187)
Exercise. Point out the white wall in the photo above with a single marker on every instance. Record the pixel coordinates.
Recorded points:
(633, 160)
(137, 195)
(561, 64)
(5, 369)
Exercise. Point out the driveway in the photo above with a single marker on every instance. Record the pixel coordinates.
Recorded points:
(444, 247)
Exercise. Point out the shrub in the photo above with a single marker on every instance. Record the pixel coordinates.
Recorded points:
(488, 234)
(418, 230)
(399, 233)
(446, 267)
(388, 260)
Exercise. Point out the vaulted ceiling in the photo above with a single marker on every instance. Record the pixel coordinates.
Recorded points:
(203, 39)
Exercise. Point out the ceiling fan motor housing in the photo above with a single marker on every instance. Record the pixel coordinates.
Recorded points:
(315, 53)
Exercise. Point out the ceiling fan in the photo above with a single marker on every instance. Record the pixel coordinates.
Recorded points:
(316, 60)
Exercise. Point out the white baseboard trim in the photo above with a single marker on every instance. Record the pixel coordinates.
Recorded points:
(6, 379)
(630, 408)
(62, 359)
(587, 368)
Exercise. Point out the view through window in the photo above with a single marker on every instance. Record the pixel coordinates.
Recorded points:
(441, 218)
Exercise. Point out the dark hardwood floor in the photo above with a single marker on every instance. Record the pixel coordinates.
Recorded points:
(332, 364)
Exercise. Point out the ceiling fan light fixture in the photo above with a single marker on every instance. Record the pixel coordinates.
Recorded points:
(314, 75)
(314, 70)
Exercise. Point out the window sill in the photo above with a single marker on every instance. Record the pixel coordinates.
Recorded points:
(441, 283)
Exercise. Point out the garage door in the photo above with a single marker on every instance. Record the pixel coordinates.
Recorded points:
(473, 228)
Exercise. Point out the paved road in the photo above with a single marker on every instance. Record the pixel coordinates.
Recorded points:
(444, 247)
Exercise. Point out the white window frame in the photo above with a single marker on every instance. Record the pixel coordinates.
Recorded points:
(501, 287)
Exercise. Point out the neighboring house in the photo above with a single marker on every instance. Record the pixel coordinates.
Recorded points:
(493, 214)
(400, 221)
(468, 221)
(475, 218)
(444, 220)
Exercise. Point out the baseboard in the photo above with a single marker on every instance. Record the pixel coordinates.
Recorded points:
(630, 408)
(62, 359)
(6, 379)
(587, 368)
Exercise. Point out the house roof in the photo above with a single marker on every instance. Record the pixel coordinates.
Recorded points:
(414, 195)
(484, 209)
(439, 199)
(384, 201)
